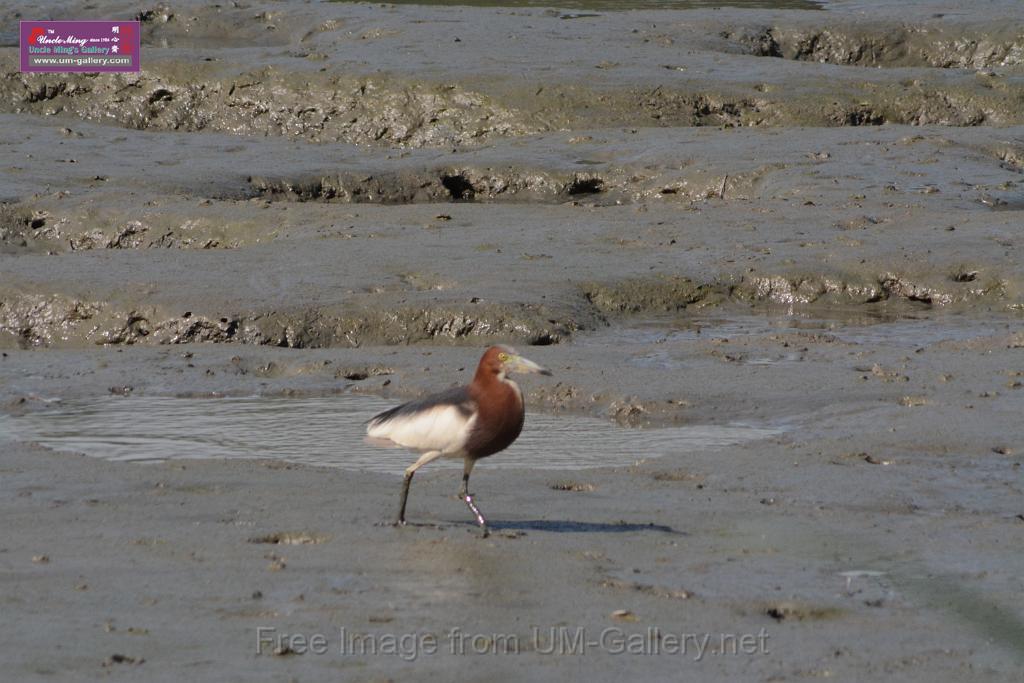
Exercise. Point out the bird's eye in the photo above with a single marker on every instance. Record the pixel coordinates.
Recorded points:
(503, 357)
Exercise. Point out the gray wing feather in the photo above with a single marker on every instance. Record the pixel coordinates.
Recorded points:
(457, 397)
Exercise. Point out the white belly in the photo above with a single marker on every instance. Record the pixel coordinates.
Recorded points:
(440, 428)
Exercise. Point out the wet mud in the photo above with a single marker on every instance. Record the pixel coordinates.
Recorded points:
(334, 74)
(802, 218)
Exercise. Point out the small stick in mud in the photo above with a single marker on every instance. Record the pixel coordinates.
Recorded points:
(469, 422)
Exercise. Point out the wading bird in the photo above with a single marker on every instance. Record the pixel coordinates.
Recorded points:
(469, 422)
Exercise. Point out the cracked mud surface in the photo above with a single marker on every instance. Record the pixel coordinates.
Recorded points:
(802, 218)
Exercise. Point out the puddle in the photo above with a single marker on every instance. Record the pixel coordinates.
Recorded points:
(330, 431)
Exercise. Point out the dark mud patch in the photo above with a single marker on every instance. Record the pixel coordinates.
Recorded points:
(572, 486)
(290, 538)
(676, 476)
(658, 294)
(648, 589)
(791, 611)
(446, 184)
(621, 184)
(362, 372)
(17, 225)
(1012, 158)
(676, 108)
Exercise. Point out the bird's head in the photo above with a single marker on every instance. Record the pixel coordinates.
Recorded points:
(504, 360)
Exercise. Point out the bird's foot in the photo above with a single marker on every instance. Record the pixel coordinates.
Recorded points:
(468, 498)
(398, 523)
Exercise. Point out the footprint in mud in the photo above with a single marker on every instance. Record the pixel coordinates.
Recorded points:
(291, 538)
(573, 486)
(791, 611)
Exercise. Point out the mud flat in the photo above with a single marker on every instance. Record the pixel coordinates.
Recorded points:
(801, 223)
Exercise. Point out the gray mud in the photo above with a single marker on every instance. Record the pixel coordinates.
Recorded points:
(783, 217)
(411, 77)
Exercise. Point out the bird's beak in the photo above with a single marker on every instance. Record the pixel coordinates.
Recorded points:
(520, 364)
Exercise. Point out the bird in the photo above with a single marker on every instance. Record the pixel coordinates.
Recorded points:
(469, 422)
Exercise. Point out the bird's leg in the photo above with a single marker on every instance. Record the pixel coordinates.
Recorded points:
(411, 470)
(465, 495)
(406, 481)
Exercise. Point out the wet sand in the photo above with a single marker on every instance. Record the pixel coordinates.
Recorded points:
(806, 220)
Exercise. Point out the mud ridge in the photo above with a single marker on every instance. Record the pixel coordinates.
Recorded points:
(659, 294)
(26, 230)
(620, 184)
(389, 111)
(913, 102)
(431, 185)
(38, 320)
(309, 106)
(932, 289)
(672, 293)
(885, 44)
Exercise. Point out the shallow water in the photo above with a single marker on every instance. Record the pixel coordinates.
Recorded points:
(856, 327)
(329, 431)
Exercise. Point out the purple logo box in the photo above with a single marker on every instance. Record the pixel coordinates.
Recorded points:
(79, 46)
